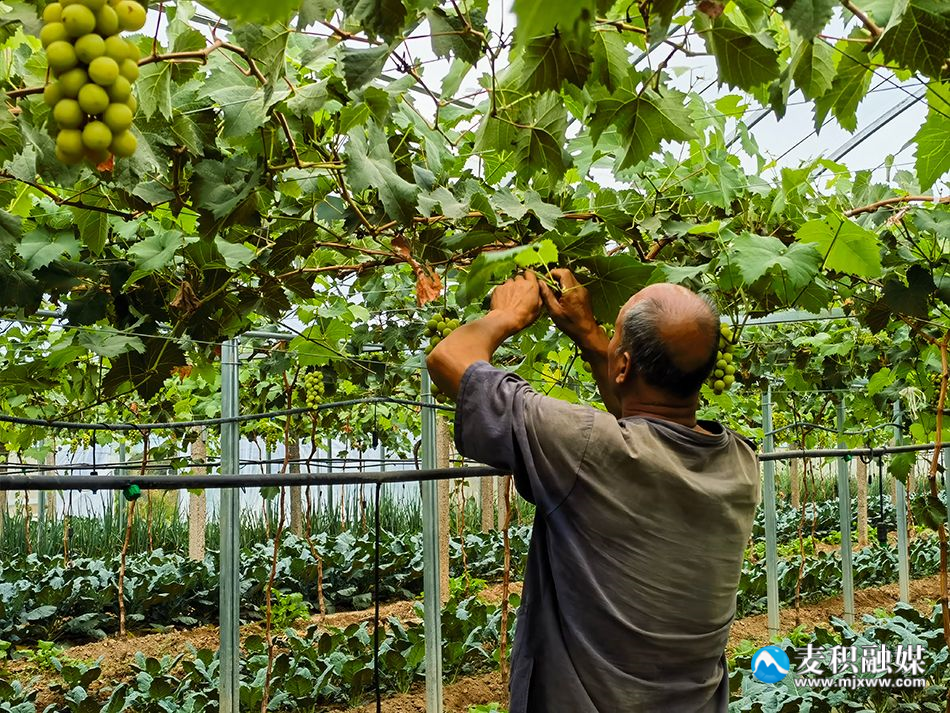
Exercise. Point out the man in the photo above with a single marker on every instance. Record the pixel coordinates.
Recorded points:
(642, 513)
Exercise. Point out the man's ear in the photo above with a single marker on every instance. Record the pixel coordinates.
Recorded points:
(625, 370)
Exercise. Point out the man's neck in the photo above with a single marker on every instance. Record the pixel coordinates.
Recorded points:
(651, 403)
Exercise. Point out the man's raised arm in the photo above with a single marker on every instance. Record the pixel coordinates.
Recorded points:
(515, 305)
(573, 314)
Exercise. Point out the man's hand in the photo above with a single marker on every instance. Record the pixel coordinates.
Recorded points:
(519, 300)
(514, 306)
(573, 314)
(571, 311)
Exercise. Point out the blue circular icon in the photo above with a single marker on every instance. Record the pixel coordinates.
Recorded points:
(770, 664)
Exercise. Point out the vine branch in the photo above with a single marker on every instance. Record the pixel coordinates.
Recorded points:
(868, 23)
(895, 201)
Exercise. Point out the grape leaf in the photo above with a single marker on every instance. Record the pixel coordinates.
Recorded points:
(255, 11)
(321, 342)
(807, 17)
(370, 165)
(11, 227)
(540, 144)
(614, 280)
(93, 227)
(933, 139)
(760, 255)
(381, 17)
(541, 253)
(540, 18)
(154, 90)
(361, 66)
(918, 36)
(745, 61)
(813, 68)
(610, 60)
(849, 86)
(914, 297)
(845, 245)
(451, 36)
(157, 250)
(550, 61)
(642, 121)
(40, 247)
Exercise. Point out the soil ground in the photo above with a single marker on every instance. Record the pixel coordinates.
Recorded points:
(117, 653)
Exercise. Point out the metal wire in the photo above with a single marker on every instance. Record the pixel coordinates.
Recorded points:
(256, 480)
(818, 427)
(171, 425)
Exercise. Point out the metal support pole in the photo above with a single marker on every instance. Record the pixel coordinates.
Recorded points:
(41, 519)
(432, 602)
(771, 526)
(230, 543)
(903, 559)
(120, 500)
(844, 523)
(946, 481)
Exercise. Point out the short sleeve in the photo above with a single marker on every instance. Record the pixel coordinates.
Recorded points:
(502, 422)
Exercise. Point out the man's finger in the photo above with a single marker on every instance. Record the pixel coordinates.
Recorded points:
(564, 276)
(550, 299)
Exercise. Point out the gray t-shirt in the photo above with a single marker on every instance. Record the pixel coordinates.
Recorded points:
(635, 557)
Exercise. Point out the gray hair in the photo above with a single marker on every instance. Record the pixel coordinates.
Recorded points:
(650, 355)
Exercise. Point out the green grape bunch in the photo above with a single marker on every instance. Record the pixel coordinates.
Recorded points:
(92, 71)
(438, 328)
(724, 374)
(313, 388)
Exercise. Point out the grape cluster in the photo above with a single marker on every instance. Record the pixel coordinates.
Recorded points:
(94, 68)
(313, 388)
(437, 329)
(724, 375)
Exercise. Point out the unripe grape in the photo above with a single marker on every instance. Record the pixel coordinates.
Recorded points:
(116, 48)
(93, 99)
(728, 380)
(131, 15)
(69, 141)
(121, 90)
(73, 81)
(94, 5)
(53, 13)
(89, 47)
(96, 136)
(118, 117)
(129, 69)
(103, 71)
(68, 114)
(53, 94)
(107, 22)
(719, 385)
(53, 32)
(79, 20)
(124, 144)
(132, 103)
(61, 56)
(133, 50)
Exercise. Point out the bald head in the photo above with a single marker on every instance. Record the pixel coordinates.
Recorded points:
(671, 334)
